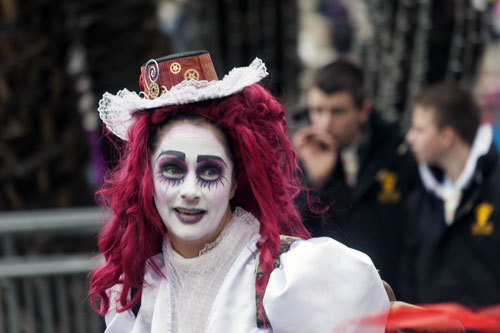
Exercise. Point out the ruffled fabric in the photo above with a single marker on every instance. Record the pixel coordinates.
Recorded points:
(323, 286)
(116, 110)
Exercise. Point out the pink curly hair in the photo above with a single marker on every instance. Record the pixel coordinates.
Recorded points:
(267, 176)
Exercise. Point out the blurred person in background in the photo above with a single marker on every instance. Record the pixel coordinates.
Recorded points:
(359, 165)
(453, 250)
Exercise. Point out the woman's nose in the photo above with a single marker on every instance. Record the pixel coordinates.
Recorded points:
(190, 190)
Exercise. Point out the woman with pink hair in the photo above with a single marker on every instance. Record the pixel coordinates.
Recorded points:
(205, 235)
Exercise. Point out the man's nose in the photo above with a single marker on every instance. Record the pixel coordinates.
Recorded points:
(409, 137)
(325, 120)
(190, 190)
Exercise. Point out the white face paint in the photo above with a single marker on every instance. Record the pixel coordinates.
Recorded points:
(192, 177)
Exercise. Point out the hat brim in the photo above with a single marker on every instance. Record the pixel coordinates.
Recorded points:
(116, 110)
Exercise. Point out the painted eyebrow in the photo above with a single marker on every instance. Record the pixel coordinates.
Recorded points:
(209, 157)
(175, 153)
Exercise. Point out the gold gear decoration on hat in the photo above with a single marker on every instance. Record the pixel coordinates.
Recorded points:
(154, 90)
(191, 74)
(175, 68)
(163, 90)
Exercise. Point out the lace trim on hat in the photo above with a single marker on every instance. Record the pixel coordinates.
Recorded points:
(116, 110)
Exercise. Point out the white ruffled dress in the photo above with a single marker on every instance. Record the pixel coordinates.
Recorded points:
(320, 286)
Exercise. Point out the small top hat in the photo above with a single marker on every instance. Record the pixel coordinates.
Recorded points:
(177, 79)
(160, 75)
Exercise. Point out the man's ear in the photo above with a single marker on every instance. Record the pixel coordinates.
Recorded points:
(448, 136)
(365, 110)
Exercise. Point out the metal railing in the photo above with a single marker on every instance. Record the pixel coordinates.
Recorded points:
(46, 292)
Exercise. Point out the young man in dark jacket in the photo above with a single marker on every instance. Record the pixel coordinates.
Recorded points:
(453, 252)
(357, 165)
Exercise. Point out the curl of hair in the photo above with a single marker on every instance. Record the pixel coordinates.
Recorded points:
(267, 173)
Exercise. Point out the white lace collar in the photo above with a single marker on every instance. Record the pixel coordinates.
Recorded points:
(240, 229)
(195, 282)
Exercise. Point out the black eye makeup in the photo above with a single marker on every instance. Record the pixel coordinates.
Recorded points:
(172, 170)
(210, 173)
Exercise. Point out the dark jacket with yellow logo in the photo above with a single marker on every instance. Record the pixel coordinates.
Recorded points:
(458, 262)
(370, 215)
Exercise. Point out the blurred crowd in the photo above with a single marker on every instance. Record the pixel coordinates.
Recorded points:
(425, 206)
(418, 192)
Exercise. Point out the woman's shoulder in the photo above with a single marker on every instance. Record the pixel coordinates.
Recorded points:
(327, 250)
(324, 258)
(328, 283)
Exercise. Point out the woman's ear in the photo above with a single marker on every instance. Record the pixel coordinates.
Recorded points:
(234, 185)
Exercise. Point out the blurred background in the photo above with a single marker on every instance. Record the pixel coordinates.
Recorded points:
(57, 58)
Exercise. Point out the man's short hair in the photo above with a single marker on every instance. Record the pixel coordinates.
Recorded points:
(341, 75)
(453, 106)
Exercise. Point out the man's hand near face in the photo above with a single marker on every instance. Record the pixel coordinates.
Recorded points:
(318, 152)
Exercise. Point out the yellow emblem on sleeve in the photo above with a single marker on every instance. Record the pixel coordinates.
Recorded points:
(483, 227)
(388, 191)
